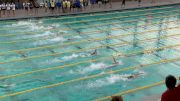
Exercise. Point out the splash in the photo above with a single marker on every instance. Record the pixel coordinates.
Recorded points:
(58, 39)
(65, 58)
(45, 34)
(51, 61)
(92, 67)
(112, 79)
(48, 41)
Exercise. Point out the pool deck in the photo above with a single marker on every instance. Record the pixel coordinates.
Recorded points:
(151, 98)
(21, 14)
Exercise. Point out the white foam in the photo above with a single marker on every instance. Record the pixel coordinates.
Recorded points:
(65, 58)
(51, 61)
(77, 37)
(48, 41)
(112, 79)
(9, 85)
(92, 67)
(108, 80)
(58, 39)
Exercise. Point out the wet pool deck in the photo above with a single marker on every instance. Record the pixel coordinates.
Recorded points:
(21, 14)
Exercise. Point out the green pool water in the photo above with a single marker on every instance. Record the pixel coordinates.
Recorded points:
(51, 59)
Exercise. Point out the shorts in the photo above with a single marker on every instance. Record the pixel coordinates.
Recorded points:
(93, 1)
(26, 8)
(99, 2)
(52, 8)
(85, 3)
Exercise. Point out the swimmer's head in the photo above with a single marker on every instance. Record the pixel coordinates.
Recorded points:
(116, 98)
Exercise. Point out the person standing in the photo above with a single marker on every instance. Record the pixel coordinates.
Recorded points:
(26, 8)
(68, 5)
(58, 5)
(13, 8)
(31, 8)
(8, 8)
(139, 2)
(52, 6)
(3, 7)
(172, 93)
(123, 3)
(46, 6)
(0, 10)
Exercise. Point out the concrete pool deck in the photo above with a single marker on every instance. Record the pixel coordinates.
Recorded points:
(21, 14)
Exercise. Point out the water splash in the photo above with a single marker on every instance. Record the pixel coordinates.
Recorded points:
(92, 67)
(108, 80)
(114, 78)
(48, 41)
(65, 58)
(51, 61)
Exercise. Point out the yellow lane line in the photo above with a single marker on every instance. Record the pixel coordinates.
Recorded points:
(110, 13)
(22, 33)
(90, 32)
(80, 50)
(67, 43)
(102, 19)
(88, 77)
(87, 61)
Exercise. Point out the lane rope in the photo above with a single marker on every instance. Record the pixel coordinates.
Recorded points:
(146, 51)
(88, 77)
(84, 49)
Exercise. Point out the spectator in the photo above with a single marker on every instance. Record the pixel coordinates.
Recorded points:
(139, 2)
(82, 3)
(99, 3)
(0, 10)
(36, 5)
(8, 8)
(31, 8)
(85, 3)
(78, 4)
(116, 98)
(3, 8)
(52, 6)
(26, 6)
(123, 3)
(58, 5)
(13, 8)
(46, 6)
(172, 93)
(64, 6)
(93, 2)
(68, 5)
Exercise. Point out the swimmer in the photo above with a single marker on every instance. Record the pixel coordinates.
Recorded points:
(69, 39)
(52, 51)
(94, 53)
(114, 61)
(22, 54)
(78, 47)
(6, 85)
(108, 47)
(132, 76)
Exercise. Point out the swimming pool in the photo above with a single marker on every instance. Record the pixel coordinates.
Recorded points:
(89, 56)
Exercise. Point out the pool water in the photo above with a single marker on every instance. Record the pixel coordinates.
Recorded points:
(89, 56)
